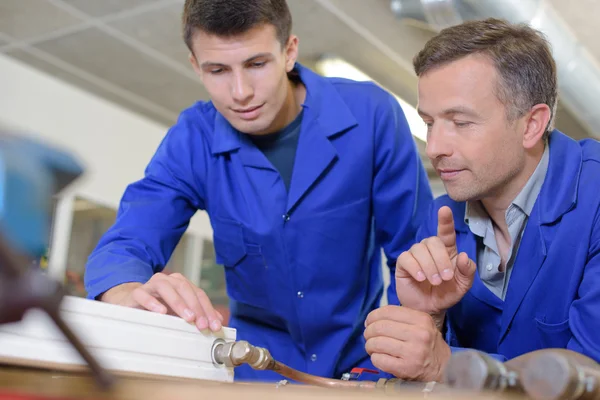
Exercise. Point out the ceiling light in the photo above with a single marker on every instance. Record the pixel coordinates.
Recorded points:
(336, 67)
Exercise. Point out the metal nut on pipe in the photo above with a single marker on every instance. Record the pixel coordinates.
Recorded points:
(221, 353)
(233, 354)
(550, 376)
(474, 370)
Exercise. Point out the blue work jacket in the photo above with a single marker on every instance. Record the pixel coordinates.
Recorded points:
(304, 268)
(553, 296)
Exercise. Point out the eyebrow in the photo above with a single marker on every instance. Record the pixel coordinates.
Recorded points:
(422, 113)
(452, 111)
(254, 57)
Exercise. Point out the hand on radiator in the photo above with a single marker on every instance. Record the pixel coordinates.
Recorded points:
(168, 294)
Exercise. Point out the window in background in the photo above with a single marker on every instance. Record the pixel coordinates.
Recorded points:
(178, 259)
(90, 222)
(42, 262)
(213, 280)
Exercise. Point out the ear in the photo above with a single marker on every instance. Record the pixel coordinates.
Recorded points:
(291, 52)
(195, 65)
(536, 124)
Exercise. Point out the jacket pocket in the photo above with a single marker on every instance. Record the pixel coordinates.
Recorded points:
(245, 266)
(553, 335)
(229, 243)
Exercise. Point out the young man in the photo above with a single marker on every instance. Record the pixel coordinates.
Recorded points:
(509, 261)
(304, 180)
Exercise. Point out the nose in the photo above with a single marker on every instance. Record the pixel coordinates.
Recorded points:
(241, 89)
(438, 143)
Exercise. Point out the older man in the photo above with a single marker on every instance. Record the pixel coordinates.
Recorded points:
(509, 261)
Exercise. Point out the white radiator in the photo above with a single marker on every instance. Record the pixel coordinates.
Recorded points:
(122, 339)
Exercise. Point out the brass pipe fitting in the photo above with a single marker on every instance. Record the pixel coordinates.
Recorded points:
(476, 371)
(553, 375)
(234, 354)
(550, 373)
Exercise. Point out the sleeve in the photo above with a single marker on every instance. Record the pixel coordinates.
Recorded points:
(153, 214)
(401, 191)
(584, 313)
(455, 345)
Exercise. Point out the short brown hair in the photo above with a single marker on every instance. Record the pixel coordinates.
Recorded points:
(229, 18)
(521, 55)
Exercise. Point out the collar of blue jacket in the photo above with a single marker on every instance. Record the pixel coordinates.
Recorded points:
(559, 191)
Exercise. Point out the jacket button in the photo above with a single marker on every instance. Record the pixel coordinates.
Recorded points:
(313, 358)
(300, 295)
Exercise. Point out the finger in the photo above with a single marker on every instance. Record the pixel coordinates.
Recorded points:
(399, 314)
(423, 257)
(407, 266)
(206, 308)
(187, 290)
(438, 252)
(220, 316)
(381, 313)
(446, 230)
(147, 301)
(209, 310)
(387, 363)
(385, 345)
(388, 328)
(203, 319)
(164, 288)
(465, 266)
(371, 318)
(406, 367)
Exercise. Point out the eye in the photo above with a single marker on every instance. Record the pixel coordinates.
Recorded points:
(462, 124)
(216, 71)
(257, 64)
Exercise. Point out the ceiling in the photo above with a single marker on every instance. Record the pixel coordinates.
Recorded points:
(581, 16)
(130, 51)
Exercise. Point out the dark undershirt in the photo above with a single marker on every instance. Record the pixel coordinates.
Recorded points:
(280, 148)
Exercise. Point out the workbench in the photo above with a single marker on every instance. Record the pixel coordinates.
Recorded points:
(20, 383)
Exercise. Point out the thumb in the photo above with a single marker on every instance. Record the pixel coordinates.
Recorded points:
(445, 230)
(465, 266)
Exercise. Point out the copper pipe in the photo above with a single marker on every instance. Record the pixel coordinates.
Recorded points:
(309, 379)
(555, 375)
(234, 354)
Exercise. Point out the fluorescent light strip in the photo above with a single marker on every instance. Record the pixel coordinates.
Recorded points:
(336, 67)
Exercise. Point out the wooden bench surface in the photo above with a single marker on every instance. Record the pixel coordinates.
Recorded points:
(28, 383)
